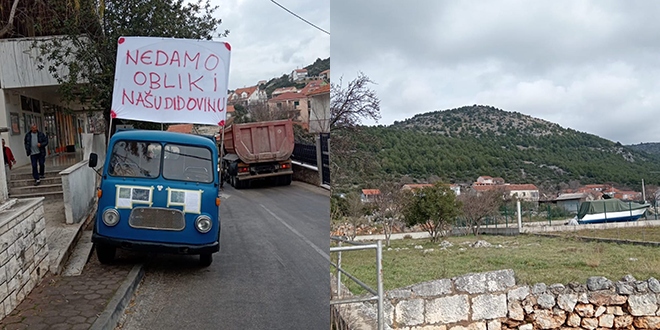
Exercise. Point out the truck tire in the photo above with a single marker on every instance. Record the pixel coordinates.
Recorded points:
(284, 180)
(240, 184)
(105, 253)
(205, 259)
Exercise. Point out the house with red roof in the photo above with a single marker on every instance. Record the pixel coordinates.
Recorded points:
(319, 109)
(325, 75)
(369, 195)
(298, 74)
(525, 192)
(247, 96)
(282, 90)
(294, 104)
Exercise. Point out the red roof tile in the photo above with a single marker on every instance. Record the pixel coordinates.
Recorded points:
(371, 191)
(181, 128)
(321, 90)
(287, 96)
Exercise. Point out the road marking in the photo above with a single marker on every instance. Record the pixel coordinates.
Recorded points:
(319, 250)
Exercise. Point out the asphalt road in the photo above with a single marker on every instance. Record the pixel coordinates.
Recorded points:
(272, 270)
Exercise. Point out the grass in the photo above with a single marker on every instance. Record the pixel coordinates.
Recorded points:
(648, 234)
(534, 259)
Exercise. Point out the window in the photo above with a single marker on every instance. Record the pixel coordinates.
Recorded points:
(296, 104)
(188, 163)
(137, 159)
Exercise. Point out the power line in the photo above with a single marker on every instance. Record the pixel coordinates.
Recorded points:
(296, 15)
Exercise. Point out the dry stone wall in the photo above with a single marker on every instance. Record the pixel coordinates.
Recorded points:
(23, 251)
(493, 301)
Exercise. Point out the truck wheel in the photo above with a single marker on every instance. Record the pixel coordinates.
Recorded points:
(205, 259)
(105, 253)
(240, 184)
(284, 180)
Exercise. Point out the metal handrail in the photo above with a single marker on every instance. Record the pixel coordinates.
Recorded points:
(378, 294)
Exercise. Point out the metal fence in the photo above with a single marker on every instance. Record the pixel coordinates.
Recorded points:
(377, 295)
(534, 214)
(325, 157)
(304, 153)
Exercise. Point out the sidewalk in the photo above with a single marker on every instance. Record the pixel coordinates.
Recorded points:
(89, 300)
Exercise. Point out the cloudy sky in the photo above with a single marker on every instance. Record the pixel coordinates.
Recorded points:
(593, 66)
(267, 41)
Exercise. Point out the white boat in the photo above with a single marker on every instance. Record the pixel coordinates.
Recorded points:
(610, 210)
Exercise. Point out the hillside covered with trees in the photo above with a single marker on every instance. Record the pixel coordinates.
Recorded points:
(459, 145)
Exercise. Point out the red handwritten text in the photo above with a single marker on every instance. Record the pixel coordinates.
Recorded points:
(208, 62)
(149, 101)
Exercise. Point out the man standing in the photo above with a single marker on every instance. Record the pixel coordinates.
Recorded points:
(35, 147)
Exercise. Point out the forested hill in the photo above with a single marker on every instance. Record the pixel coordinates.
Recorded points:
(459, 145)
(651, 148)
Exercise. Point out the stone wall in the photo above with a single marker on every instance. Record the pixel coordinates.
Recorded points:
(306, 174)
(493, 301)
(23, 251)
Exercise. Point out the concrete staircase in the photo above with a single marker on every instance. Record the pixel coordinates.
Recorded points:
(21, 185)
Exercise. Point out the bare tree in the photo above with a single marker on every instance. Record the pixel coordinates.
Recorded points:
(478, 206)
(259, 111)
(10, 22)
(355, 212)
(349, 105)
(389, 207)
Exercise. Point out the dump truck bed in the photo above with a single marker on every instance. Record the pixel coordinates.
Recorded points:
(260, 141)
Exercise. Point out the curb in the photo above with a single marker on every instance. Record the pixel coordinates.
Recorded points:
(113, 311)
(58, 267)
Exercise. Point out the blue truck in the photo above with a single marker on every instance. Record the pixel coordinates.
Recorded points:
(159, 192)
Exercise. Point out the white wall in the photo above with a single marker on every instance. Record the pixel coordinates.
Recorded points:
(22, 70)
(79, 191)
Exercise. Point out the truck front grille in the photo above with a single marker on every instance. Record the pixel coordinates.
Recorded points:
(157, 218)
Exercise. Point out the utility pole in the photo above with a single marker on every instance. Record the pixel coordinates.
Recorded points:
(643, 192)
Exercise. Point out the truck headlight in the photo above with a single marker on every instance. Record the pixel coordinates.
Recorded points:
(203, 224)
(110, 217)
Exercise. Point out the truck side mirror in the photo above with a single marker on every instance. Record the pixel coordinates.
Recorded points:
(93, 160)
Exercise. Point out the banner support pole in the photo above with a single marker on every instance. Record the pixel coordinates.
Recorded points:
(221, 153)
(109, 132)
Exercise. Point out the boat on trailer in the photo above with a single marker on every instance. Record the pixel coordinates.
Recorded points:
(610, 210)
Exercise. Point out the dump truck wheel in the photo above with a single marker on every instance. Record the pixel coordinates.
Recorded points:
(284, 180)
(240, 184)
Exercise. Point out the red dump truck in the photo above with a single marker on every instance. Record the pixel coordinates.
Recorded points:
(257, 151)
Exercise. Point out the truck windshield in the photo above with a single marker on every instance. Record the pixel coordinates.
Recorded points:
(138, 159)
(188, 163)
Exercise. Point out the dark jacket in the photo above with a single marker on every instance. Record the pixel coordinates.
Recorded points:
(43, 139)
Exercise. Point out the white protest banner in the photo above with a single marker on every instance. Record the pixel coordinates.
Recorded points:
(168, 80)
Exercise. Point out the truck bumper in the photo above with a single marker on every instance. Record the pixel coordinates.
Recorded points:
(248, 176)
(156, 246)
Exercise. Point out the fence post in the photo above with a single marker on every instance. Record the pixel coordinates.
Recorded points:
(319, 159)
(519, 216)
(379, 270)
(338, 272)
